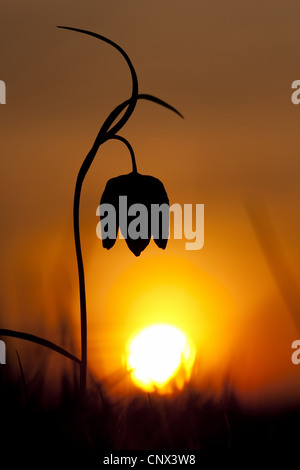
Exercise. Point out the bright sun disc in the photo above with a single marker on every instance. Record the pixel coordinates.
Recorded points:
(158, 356)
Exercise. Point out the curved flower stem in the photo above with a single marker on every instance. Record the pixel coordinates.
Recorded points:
(142, 96)
(102, 136)
(106, 133)
(134, 95)
(125, 141)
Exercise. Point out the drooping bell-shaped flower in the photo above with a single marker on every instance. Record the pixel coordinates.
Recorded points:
(138, 205)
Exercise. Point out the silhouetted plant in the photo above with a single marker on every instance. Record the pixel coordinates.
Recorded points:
(138, 188)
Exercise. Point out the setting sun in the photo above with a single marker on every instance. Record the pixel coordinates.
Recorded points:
(159, 355)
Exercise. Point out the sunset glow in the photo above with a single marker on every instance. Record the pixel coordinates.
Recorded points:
(159, 354)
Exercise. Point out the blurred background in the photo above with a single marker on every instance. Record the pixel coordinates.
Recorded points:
(228, 67)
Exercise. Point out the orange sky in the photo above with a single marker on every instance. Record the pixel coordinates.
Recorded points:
(228, 67)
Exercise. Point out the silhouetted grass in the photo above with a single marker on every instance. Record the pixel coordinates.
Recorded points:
(35, 430)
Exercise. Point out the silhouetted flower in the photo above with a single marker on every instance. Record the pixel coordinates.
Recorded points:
(126, 193)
